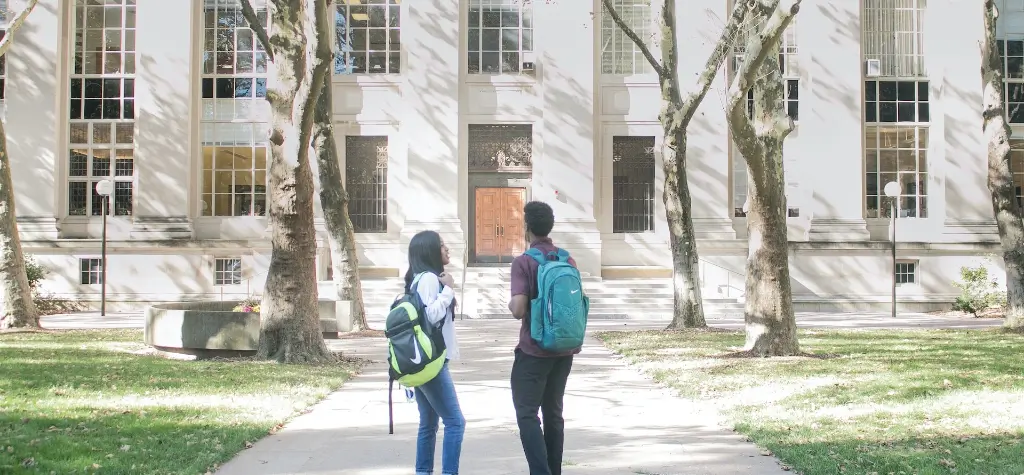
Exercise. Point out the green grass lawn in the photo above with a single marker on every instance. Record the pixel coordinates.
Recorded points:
(97, 402)
(881, 402)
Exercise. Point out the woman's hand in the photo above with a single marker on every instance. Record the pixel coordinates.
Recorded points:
(447, 279)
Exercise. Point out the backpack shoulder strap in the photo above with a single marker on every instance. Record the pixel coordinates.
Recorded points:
(562, 255)
(536, 254)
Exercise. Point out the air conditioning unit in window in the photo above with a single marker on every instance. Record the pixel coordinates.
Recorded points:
(529, 65)
(872, 68)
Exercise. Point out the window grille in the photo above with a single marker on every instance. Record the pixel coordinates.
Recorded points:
(366, 180)
(500, 147)
(906, 272)
(633, 184)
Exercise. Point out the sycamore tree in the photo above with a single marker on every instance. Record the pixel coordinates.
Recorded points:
(759, 134)
(1000, 178)
(18, 310)
(677, 109)
(299, 48)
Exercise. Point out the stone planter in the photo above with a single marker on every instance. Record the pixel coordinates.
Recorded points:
(204, 329)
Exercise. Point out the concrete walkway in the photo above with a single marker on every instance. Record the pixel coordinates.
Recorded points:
(617, 422)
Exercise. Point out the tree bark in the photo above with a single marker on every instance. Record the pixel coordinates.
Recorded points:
(18, 309)
(334, 201)
(1000, 177)
(290, 323)
(768, 313)
(676, 112)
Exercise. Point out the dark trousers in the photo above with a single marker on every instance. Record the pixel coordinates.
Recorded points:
(539, 383)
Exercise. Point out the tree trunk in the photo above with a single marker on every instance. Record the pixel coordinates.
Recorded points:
(1000, 178)
(19, 310)
(768, 313)
(334, 201)
(687, 309)
(290, 325)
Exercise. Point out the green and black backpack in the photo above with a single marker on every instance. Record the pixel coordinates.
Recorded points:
(416, 349)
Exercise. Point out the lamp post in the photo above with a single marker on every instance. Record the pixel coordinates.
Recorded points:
(104, 188)
(892, 190)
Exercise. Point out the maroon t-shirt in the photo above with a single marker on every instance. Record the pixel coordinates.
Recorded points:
(524, 282)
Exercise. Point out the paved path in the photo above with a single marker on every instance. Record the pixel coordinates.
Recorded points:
(617, 422)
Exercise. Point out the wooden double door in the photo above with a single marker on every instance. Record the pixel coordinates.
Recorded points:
(500, 234)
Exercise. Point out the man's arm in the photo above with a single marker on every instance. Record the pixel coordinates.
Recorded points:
(519, 303)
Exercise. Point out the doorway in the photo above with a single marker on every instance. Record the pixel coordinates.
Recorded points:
(499, 231)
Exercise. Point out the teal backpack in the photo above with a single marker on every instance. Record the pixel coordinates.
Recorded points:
(558, 316)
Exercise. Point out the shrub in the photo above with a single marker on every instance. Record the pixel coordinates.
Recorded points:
(45, 302)
(977, 290)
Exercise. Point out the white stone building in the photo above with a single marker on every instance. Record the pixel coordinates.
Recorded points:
(451, 114)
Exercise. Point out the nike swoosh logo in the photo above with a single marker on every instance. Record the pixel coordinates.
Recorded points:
(574, 291)
(416, 359)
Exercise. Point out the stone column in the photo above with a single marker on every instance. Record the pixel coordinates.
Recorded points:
(163, 138)
(699, 27)
(957, 59)
(830, 112)
(430, 121)
(565, 33)
(36, 123)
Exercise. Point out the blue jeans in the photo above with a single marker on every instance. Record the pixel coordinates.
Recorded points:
(437, 400)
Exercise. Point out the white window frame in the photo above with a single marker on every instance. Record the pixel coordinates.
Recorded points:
(97, 273)
(899, 62)
(1009, 104)
(223, 275)
(620, 56)
(92, 126)
(392, 47)
(902, 267)
(476, 30)
(234, 122)
(900, 53)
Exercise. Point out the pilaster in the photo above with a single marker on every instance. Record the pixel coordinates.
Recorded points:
(430, 123)
(35, 120)
(957, 59)
(831, 112)
(707, 148)
(564, 173)
(163, 126)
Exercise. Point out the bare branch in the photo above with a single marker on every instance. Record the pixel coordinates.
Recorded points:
(756, 52)
(722, 50)
(254, 24)
(633, 36)
(5, 42)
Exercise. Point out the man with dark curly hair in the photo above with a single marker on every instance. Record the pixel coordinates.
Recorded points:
(538, 376)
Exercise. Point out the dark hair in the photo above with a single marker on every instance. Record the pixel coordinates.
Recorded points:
(539, 218)
(424, 256)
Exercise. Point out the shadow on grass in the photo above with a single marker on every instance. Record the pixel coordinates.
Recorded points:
(69, 400)
(887, 401)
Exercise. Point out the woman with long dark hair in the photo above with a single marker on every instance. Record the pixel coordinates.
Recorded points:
(436, 399)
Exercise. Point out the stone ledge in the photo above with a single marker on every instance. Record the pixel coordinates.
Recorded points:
(201, 328)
